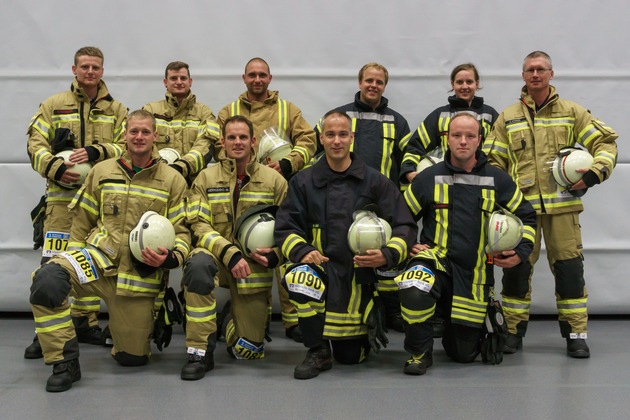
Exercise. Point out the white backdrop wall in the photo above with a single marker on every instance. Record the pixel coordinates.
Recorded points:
(315, 49)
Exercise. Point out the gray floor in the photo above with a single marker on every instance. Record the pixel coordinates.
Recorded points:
(539, 383)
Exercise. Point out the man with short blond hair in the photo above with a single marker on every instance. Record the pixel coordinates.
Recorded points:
(88, 121)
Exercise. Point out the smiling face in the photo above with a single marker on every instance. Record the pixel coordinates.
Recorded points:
(140, 136)
(257, 79)
(465, 85)
(88, 71)
(537, 73)
(237, 141)
(336, 138)
(372, 86)
(178, 82)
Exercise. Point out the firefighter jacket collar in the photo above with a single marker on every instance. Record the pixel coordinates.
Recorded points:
(101, 94)
(188, 102)
(322, 172)
(529, 101)
(230, 164)
(365, 107)
(481, 157)
(476, 103)
(272, 98)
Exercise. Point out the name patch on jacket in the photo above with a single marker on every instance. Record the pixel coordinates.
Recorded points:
(515, 121)
(217, 190)
(65, 111)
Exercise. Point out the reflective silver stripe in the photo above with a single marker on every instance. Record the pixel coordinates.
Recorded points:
(465, 179)
(374, 116)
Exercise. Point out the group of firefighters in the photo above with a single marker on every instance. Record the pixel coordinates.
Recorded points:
(331, 212)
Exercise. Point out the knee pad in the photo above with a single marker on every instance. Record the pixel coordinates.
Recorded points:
(199, 272)
(569, 276)
(247, 350)
(305, 283)
(126, 359)
(414, 298)
(516, 280)
(51, 286)
(350, 352)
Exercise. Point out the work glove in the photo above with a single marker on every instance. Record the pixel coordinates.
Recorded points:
(170, 312)
(495, 329)
(375, 321)
(38, 214)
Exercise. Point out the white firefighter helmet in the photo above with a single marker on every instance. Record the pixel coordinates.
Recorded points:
(254, 228)
(428, 161)
(565, 165)
(169, 154)
(152, 230)
(82, 168)
(368, 231)
(505, 232)
(273, 146)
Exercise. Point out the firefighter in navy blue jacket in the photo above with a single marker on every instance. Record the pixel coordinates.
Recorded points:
(455, 199)
(338, 303)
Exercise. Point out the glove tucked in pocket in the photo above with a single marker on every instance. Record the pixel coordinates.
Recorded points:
(38, 214)
(170, 313)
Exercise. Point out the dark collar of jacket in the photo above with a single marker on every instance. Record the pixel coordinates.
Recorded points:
(481, 157)
(365, 107)
(322, 172)
(188, 101)
(476, 103)
(101, 95)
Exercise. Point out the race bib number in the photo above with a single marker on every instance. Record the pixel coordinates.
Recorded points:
(83, 265)
(305, 281)
(417, 276)
(245, 350)
(55, 243)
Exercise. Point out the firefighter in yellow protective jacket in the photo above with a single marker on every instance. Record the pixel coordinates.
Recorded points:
(525, 140)
(183, 124)
(266, 110)
(87, 122)
(221, 197)
(106, 209)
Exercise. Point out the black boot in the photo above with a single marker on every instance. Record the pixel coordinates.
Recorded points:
(318, 359)
(512, 344)
(64, 374)
(87, 334)
(294, 333)
(197, 366)
(577, 348)
(34, 350)
(418, 364)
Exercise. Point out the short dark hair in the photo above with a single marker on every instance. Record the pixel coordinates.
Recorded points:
(90, 51)
(239, 118)
(339, 114)
(176, 65)
(257, 59)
